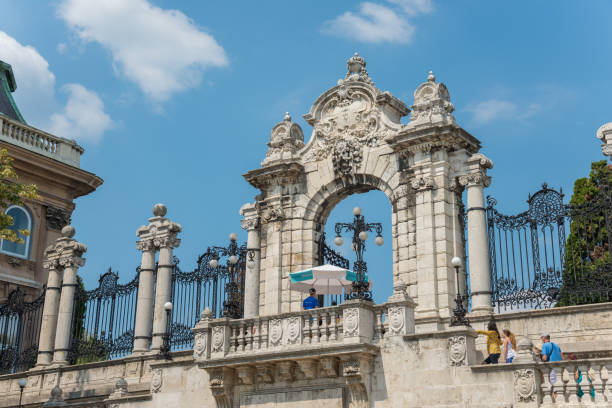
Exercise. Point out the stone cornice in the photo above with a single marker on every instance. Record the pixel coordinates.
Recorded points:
(428, 138)
(276, 174)
(79, 182)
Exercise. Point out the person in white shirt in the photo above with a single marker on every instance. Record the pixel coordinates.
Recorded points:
(509, 345)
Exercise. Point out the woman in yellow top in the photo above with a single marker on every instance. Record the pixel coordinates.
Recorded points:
(493, 343)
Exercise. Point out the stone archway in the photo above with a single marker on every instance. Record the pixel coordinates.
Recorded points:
(358, 144)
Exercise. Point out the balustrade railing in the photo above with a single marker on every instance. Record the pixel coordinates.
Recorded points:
(349, 323)
(575, 383)
(58, 148)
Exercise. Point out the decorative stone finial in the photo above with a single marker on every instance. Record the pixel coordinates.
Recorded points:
(286, 139)
(356, 70)
(68, 231)
(206, 313)
(432, 105)
(287, 117)
(159, 210)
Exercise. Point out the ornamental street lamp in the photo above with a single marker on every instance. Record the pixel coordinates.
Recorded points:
(459, 312)
(164, 350)
(361, 287)
(232, 306)
(22, 383)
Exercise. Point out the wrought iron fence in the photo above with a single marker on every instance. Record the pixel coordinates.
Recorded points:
(103, 319)
(329, 256)
(20, 323)
(219, 288)
(536, 265)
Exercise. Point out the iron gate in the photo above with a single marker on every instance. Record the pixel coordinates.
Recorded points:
(20, 323)
(326, 255)
(536, 265)
(103, 319)
(206, 287)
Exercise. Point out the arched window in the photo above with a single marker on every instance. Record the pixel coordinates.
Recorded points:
(21, 220)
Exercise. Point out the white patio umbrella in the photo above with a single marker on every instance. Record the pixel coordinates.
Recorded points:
(326, 279)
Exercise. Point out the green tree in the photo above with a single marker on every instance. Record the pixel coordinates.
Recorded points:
(587, 272)
(12, 193)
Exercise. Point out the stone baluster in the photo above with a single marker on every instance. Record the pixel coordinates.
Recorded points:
(257, 334)
(251, 279)
(51, 305)
(603, 388)
(70, 260)
(264, 333)
(232, 339)
(241, 337)
(324, 328)
(166, 240)
(315, 326)
(379, 324)
(570, 385)
(307, 332)
(478, 247)
(333, 318)
(547, 387)
(595, 373)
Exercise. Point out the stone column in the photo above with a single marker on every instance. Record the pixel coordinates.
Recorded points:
(144, 304)
(46, 341)
(70, 259)
(251, 280)
(166, 241)
(478, 243)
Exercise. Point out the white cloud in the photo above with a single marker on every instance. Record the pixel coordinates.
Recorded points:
(492, 109)
(162, 51)
(83, 117)
(414, 7)
(373, 24)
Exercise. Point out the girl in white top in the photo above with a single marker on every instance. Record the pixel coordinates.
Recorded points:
(509, 345)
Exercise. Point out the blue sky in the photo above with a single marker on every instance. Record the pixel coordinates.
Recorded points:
(174, 100)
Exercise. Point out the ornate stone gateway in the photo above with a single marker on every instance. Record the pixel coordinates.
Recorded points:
(359, 144)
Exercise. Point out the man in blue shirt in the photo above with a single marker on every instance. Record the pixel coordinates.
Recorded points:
(311, 301)
(550, 351)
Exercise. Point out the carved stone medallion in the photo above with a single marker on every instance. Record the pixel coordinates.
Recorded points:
(200, 344)
(217, 338)
(351, 322)
(293, 329)
(276, 331)
(156, 380)
(396, 320)
(525, 385)
(457, 350)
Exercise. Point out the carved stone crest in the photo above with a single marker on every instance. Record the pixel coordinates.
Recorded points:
(422, 183)
(293, 329)
(57, 218)
(276, 331)
(351, 322)
(457, 350)
(218, 337)
(200, 344)
(525, 385)
(396, 320)
(156, 380)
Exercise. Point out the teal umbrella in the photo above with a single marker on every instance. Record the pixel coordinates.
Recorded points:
(325, 279)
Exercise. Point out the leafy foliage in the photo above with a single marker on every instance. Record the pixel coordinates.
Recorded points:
(12, 193)
(587, 272)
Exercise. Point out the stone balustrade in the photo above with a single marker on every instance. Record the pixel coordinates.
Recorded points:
(351, 323)
(584, 382)
(64, 150)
